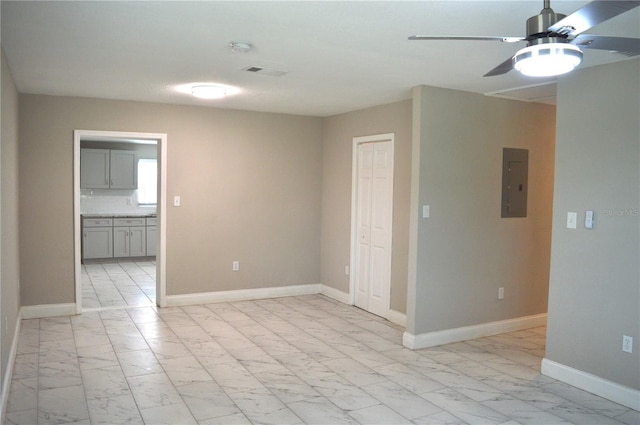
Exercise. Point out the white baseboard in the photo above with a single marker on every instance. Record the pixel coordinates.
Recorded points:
(336, 294)
(242, 295)
(47, 310)
(448, 336)
(620, 394)
(6, 382)
(397, 318)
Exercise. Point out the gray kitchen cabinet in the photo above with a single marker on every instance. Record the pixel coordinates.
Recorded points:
(108, 169)
(152, 236)
(123, 170)
(97, 238)
(129, 237)
(94, 168)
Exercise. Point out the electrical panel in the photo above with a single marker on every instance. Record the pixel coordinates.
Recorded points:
(515, 170)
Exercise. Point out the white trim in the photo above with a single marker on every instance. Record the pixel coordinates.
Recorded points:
(242, 295)
(161, 265)
(397, 318)
(335, 294)
(6, 382)
(610, 390)
(47, 310)
(448, 336)
(385, 137)
(161, 140)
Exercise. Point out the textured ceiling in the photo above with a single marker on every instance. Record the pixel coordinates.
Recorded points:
(338, 56)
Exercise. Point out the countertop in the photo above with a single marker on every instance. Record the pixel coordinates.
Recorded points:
(115, 215)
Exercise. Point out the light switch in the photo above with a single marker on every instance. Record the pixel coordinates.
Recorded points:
(572, 220)
(176, 201)
(425, 211)
(588, 219)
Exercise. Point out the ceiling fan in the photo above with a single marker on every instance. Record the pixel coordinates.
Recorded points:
(554, 40)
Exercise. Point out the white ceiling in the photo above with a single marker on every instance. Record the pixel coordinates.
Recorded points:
(339, 56)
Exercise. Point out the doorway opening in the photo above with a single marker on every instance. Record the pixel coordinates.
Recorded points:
(371, 223)
(140, 279)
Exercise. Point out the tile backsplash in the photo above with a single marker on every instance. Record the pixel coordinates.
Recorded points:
(110, 201)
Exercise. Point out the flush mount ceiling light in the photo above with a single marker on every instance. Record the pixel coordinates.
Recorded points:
(547, 59)
(241, 46)
(209, 91)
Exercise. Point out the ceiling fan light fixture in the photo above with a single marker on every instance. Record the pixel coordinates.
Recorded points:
(547, 60)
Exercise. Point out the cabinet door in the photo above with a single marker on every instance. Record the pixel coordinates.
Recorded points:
(123, 172)
(152, 238)
(97, 242)
(137, 241)
(120, 242)
(94, 168)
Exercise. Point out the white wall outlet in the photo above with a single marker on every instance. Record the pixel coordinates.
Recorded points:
(627, 344)
(176, 201)
(500, 293)
(425, 211)
(236, 266)
(129, 200)
(346, 270)
(572, 220)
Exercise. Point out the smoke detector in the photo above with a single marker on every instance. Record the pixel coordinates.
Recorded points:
(241, 46)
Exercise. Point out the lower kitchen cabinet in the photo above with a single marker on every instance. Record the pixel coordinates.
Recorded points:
(129, 237)
(97, 238)
(152, 236)
(118, 237)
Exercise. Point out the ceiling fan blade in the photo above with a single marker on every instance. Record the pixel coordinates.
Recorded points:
(625, 46)
(591, 15)
(469, 38)
(503, 68)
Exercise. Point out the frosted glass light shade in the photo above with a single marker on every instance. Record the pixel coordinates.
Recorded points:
(209, 91)
(547, 60)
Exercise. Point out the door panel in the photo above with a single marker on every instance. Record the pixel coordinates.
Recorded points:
(137, 241)
(373, 213)
(120, 242)
(97, 242)
(365, 183)
(517, 178)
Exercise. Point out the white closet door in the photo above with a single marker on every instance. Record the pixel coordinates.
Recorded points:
(374, 218)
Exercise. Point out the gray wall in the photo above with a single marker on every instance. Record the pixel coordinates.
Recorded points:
(595, 278)
(465, 251)
(250, 185)
(9, 264)
(339, 131)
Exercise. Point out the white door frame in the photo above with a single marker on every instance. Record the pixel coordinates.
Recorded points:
(113, 136)
(386, 137)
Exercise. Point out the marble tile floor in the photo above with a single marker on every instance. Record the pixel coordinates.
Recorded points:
(295, 360)
(121, 284)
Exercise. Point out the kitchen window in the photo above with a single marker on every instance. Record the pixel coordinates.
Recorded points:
(147, 181)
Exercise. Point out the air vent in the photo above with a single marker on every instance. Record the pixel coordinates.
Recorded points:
(264, 71)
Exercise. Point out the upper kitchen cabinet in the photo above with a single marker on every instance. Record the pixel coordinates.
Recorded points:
(107, 169)
(123, 170)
